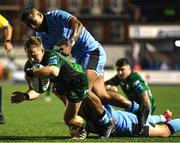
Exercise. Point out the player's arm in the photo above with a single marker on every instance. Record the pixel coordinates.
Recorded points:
(111, 84)
(76, 27)
(19, 97)
(44, 72)
(7, 38)
(144, 110)
(145, 102)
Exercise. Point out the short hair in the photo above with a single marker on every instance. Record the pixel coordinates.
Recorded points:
(26, 12)
(33, 41)
(122, 62)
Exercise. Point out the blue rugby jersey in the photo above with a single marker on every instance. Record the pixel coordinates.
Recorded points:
(57, 21)
(125, 122)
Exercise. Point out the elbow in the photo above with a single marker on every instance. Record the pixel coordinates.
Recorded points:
(80, 27)
(54, 73)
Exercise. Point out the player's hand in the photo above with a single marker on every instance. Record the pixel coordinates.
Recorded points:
(29, 73)
(65, 49)
(111, 88)
(18, 97)
(8, 46)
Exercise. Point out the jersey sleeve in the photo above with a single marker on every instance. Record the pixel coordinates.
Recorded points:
(3, 22)
(113, 81)
(54, 60)
(62, 17)
(138, 84)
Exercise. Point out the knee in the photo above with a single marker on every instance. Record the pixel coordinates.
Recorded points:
(69, 121)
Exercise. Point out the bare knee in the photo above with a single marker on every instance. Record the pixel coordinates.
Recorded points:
(69, 121)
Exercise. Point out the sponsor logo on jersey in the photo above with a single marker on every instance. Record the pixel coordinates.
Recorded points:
(52, 62)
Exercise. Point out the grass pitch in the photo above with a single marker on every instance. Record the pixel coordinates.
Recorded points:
(40, 121)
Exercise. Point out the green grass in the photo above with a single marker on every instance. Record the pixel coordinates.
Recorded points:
(40, 121)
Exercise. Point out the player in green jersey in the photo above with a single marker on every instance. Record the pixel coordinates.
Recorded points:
(69, 79)
(134, 87)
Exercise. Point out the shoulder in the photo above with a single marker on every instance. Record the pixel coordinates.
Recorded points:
(136, 79)
(57, 13)
(135, 76)
(3, 21)
(51, 53)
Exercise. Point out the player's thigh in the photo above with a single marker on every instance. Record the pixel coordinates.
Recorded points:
(99, 88)
(92, 77)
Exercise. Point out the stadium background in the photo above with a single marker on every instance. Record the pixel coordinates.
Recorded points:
(144, 31)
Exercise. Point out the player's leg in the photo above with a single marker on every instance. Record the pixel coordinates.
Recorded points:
(154, 119)
(94, 65)
(165, 130)
(95, 103)
(71, 113)
(76, 123)
(2, 121)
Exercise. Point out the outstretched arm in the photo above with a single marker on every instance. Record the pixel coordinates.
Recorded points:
(19, 96)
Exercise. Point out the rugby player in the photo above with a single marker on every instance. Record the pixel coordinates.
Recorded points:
(135, 88)
(58, 27)
(69, 80)
(125, 124)
(7, 30)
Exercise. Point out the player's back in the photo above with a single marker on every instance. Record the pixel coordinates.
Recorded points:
(125, 122)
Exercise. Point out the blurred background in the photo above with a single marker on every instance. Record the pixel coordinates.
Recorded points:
(147, 32)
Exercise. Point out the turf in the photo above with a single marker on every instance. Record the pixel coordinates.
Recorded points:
(40, 121)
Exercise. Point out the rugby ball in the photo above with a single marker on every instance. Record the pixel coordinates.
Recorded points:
(40, 85)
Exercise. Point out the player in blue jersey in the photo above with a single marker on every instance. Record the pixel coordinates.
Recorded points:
(58, 27)
(126, 124)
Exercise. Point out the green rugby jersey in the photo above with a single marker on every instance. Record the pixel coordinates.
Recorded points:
(71, 78)
(68, 70)
(132, 87)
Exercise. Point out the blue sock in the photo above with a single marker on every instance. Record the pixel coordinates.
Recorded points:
(174, 125)
(133, 107)
(0, 99)
(154, 119)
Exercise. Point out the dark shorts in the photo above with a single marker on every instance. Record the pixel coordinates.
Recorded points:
(94, 60)
(73, 92)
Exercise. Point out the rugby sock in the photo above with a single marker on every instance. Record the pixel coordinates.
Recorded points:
(84, 125)
(103, 119)
(0, 99)
(133, 107)
(154, 119)
(174, 125)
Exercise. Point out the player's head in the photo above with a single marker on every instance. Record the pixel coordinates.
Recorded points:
(32, 17)
(123, 68)
(34, 49)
